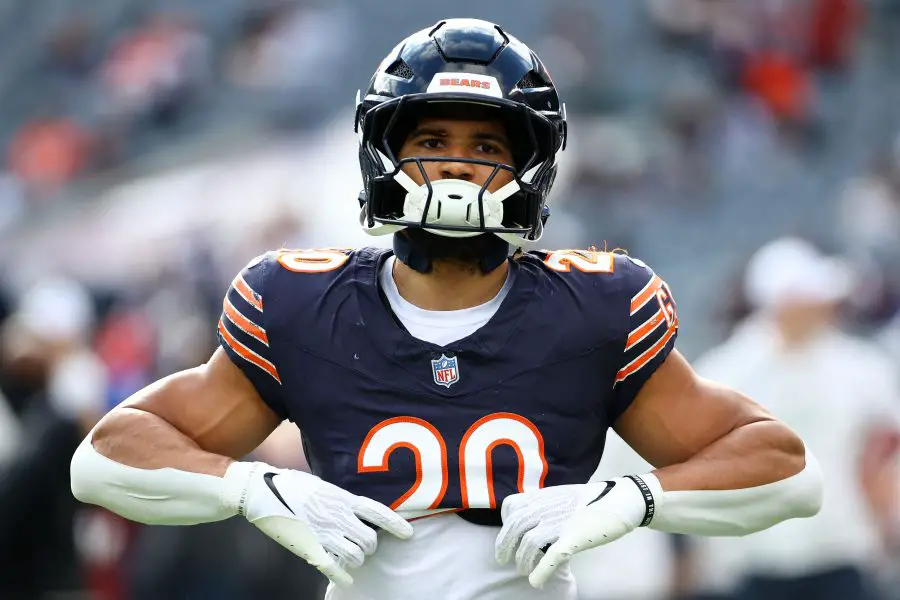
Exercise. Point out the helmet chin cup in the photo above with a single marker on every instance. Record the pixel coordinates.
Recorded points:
(454, 203)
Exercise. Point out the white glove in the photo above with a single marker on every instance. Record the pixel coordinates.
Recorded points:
(319, 522)
(544, 528)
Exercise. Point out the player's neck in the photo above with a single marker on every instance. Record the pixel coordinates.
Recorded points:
(449, 286)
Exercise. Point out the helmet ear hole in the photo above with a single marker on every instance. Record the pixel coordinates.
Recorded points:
(532, 80)
(400, 69)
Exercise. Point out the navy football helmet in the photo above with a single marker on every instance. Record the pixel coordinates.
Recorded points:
(468, 67)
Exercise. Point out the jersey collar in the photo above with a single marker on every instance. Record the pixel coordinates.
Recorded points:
(395, 342)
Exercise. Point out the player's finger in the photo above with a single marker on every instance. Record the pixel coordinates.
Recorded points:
(554, 557)
(515, 525)
(530, 550)
(381, 516)
(348, 553)
(363, 536)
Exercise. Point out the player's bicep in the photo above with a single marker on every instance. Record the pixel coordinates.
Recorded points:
(676, 414)
(214, 404)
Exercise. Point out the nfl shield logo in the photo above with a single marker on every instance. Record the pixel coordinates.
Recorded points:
(445, 370)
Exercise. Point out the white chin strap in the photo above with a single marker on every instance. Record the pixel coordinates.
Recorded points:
(454, 202)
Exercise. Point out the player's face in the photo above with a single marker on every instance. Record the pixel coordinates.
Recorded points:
(480, 139)
(800, 321)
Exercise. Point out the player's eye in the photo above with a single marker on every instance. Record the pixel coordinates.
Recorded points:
(431, 143)
(486, 148)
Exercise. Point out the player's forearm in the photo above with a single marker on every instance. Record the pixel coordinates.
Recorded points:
(751, 455)
(140, 439)
(750, 479)
(144, 469)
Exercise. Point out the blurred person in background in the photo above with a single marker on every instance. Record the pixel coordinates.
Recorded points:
(573, 40)
(71, 54)
(839, 393)
(608, 182)
(155, 72)
(285, 54)
(834, 32)
(55, 387)
(869, 210)
(692, 136)
(283, 44)
(49, 151)
(763, 51)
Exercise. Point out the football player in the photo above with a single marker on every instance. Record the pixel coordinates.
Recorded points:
(454, 393)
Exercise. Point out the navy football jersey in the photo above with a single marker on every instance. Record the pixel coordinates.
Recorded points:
(524, 402)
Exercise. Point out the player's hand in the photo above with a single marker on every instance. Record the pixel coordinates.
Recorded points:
(321, 523)
(542, 529)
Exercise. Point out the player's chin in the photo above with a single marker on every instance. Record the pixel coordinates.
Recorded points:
(452, 252)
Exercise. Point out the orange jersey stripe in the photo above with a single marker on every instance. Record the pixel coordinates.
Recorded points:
(641, 332)
(644, 296)
(645, 357)
(248, 354)
(247, 293)
(243, 323)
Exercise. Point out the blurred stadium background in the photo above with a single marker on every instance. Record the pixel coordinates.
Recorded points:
(150, 148)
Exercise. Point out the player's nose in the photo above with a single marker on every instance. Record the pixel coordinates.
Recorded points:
(457, 170)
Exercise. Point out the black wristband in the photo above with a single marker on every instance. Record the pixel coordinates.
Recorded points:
(649, 502)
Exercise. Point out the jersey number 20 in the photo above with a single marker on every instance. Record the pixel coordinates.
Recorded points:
(475, 466)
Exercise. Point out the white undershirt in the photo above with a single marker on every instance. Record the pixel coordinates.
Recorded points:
(439, 327)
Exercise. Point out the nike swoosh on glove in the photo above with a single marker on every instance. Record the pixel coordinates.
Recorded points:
(321, 523)
(543, 528)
